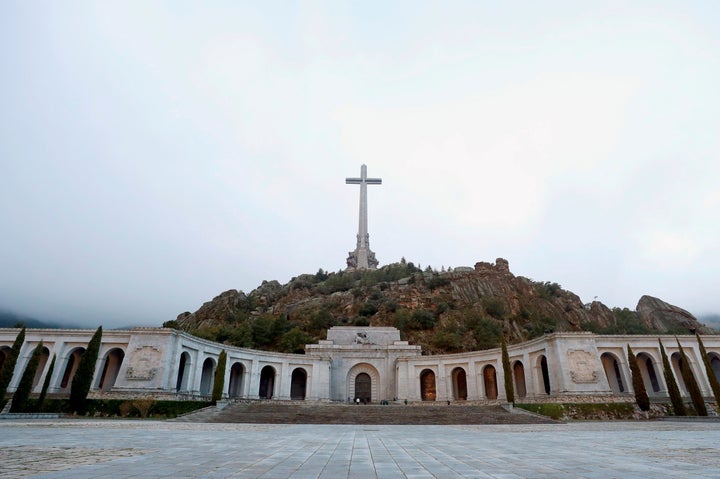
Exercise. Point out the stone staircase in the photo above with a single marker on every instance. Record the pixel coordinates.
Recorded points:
(297, 412)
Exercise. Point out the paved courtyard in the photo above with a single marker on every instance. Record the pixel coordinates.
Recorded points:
(147, 449)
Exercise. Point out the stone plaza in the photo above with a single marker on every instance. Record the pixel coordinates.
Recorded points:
(75, 448)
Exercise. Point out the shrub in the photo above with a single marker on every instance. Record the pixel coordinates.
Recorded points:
(125, 408)
(675, 398)
(641, 396)
(8, 367)
(507, 373)
(712, 379)
(368, 308)
(692, 385)
(82, 379)
(22, 393)
(219, 380)
(495, 308)
(422, 319)
(143, 406)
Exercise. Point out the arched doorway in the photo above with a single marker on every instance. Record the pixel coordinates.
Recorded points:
(545, 374)
(44, 356)
(490, 382)
(298, 384)
(611, 365)
(267, 382)
(71, 365)
(646, 366)
(206, 380)
(428, 391)
(459, 380)
(236, 380)
(111, 368)
(365, 388)
(519, 379)
(183, 372)
(676, 361)
(715, 363)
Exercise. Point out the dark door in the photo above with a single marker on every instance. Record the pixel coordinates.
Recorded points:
(363, 386)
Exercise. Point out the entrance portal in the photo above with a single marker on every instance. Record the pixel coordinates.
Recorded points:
(267, 382)
(363, 387)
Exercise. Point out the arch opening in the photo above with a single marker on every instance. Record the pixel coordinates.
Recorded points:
(363, 388)
(298, 384)
(459, 380)
(235, 383)
(428, 391)
(207, 378)
(111, 369)
(676, 362)
(71, 365)
(647, 371)
(611, 366)
(267, 383)
(715, 364)
(183, 372)
(44, 357)
(545, 374)
(490, 382)
(519, 379)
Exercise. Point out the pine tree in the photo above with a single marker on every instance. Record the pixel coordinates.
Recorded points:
(219, 381)
(83, 377)
(675, 398)
(691, 383)
(507, 373)
(8, 368)
(46, 384)
(641, 396)
(22, 394)
(712, 379)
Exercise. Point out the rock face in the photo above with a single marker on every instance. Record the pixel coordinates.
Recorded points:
(664, 317)
(450, 311)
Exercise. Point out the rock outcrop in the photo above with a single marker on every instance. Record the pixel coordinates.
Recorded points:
(664, 317)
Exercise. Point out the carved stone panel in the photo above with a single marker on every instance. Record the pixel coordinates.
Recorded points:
(144, 362)
(583, 366)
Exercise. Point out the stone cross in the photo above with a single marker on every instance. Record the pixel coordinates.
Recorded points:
(362, 257)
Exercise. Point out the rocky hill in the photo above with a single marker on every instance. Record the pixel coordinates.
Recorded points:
(463, 309)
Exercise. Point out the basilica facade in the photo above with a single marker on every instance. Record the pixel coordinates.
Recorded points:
(362, 364)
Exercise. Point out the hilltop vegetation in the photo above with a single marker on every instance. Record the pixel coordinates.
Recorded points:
(457, 310)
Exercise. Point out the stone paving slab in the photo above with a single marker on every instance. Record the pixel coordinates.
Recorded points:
(72, 448)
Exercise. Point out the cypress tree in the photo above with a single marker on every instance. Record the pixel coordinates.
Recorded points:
(22, 394)
(8, 368)
(691, 383)
(46, 384)
(712, 379)
(641, 396)
(83, 377)
(219, 382)
(507, 373)
(675, 398)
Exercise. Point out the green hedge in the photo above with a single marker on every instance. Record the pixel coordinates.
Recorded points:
(582, 410)
(123, 407)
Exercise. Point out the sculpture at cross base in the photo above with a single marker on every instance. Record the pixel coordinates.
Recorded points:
(362, 257)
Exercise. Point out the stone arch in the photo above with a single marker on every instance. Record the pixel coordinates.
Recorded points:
(519, 379)
(111, 367)
(371, 372)
(544, 373)
(676, 363)
(235, 383)
(183, 372)
(4, 351)
(267, 383)
(715, 364)
(648, 371)
(611, 365)
(298, 384)
(71, 364)
(459, 382)
(490, 382)
(207, 377)
(428, 388)
(44, 356)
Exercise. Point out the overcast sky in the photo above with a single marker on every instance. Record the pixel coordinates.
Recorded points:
(155, 154)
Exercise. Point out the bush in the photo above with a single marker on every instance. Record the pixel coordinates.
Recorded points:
(495, 308)
(422, 319)
(219, 379)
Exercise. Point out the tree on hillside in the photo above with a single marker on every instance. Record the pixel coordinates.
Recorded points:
(83, 377)
(641, 396)
(691, 383)
(46, 384)
(8, 368)
(507, 373)
(219, 380)
(712, 379)
(22, 394)
(673, 390)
